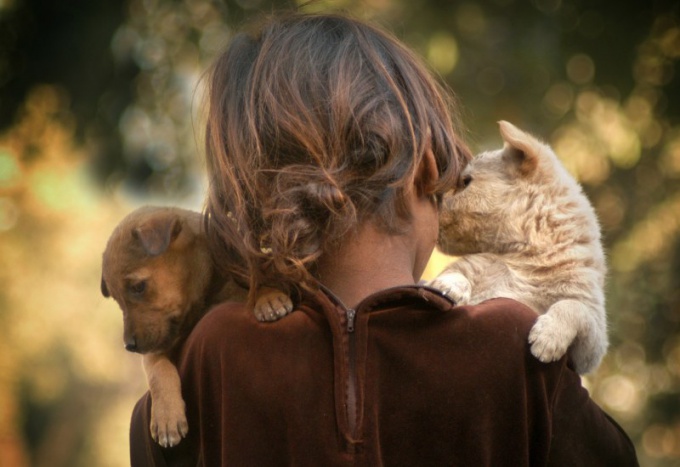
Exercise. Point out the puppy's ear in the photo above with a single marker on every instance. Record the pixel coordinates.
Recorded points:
(157, 234)
(105, 289)
(520, 147)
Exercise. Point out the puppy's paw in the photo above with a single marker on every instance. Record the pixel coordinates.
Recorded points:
(550, 338)
(168, 422)
(454, 285)
(272, 305)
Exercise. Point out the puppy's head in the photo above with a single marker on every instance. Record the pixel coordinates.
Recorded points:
(156, 266)
(498, 192)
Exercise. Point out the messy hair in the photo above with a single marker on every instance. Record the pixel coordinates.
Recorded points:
(316, 123)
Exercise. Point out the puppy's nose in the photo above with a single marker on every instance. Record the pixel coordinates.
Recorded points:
(131, 345)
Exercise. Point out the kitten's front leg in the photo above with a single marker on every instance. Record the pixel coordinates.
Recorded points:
(551, 336)
(574, 326)
(569, 323)
(455, 285)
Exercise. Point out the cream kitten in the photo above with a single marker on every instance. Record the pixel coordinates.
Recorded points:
(526, 231)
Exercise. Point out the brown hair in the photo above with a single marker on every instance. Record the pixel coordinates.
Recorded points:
(316, 123)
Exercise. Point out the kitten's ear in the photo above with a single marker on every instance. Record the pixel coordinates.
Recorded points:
(521, 147)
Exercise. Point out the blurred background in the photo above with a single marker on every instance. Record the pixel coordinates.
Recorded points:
(100, 112)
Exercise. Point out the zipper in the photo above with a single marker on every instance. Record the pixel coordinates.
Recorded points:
(351, 396)
(351, 399)
(351, 316)
(351, 389)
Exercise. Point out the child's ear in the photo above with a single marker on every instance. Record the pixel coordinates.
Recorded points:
(427, 174)
(521, 147)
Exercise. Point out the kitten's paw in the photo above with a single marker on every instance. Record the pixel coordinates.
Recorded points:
(272, 305)
(550, 338)
(168, 422)
(454, 285)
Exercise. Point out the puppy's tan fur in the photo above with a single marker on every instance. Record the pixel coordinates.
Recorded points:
(526, 231)
(157, 266)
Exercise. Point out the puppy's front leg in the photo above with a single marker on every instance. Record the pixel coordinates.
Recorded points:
(168, 420)
(272, 304)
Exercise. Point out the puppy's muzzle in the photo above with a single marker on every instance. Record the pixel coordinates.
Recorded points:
(131, 345)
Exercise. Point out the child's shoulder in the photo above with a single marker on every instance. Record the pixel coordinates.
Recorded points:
(502, 316)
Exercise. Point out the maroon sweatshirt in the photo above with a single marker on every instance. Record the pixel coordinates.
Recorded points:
(405, 379)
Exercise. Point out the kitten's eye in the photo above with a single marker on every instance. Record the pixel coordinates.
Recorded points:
(137, 288)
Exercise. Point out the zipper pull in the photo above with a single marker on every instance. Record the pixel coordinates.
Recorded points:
(351, 314)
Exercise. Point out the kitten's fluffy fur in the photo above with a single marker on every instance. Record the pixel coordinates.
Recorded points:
(526, 231)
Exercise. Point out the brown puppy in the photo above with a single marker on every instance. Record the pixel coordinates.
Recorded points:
(158, 268)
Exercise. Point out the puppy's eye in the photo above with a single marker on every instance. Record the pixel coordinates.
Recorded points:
(137, 288)
(465, 181)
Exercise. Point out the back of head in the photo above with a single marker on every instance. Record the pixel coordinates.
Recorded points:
(316, 124)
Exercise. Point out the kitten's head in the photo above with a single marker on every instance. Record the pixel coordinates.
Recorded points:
(504, 197)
